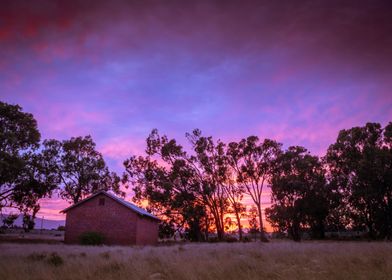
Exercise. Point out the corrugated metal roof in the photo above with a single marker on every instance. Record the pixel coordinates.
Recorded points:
(129, 205)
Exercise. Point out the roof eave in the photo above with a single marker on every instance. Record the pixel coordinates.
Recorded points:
(112, 197)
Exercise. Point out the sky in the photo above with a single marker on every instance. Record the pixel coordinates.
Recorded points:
(294, 71)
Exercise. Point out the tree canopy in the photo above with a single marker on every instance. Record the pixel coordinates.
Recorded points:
(24, 176)
(79, 168)
(360, 169)
(299, 194)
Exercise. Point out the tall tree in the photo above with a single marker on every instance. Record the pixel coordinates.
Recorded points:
(183, 187)
(80, 168)
(299, 194)
(170, 186)
(212, 170)
(360, 169)
(254, 161)
(24, 178)
(235, 194)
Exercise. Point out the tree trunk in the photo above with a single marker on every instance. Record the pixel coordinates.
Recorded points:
(295, 232)
(219, 225)
(318, 230)
(263, 237)
(207, 228)
(239, 224)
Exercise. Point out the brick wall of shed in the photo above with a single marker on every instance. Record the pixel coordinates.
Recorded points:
(115, 221)
(147, 231)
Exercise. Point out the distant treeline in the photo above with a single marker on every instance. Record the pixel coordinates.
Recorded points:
(195, 193)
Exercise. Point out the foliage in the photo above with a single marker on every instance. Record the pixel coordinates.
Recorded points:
(92, 238)
(80, 169)
(186, 189)
(253, 162)
(24, 178)
(54, 259)
(230, 239)
(253, 223)
(166, 229)
(61, 228)
(28, 222)
(8, 221)
(360, 172)
(211, 169)
(299, 194)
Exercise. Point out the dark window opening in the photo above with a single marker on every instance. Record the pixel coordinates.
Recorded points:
(101, 201)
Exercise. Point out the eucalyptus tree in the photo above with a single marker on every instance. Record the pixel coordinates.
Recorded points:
(24, 177)
(166, 180)
(253, 162)
(185, 188)
(360, 170)
(300, 195)
(80, 169)
(210, 165)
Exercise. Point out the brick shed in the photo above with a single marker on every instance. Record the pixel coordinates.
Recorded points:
(121, 222)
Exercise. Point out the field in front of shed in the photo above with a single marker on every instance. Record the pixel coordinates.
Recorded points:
(274, 260)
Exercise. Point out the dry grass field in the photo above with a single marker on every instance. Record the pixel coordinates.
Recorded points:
(275, 260)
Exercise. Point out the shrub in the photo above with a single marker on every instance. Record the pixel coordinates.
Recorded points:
(213, 239)
(55, 259)
(246, 239)
(36, 256)
(92, 238)
(61, 228)
(230, 239)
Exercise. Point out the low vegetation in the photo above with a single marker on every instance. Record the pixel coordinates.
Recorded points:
(92, 238)
(275, 260)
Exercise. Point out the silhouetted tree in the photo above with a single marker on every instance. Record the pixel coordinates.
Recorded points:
(170, 187)
(299, 194)
(234, 192)
(80, 170)
(166, 229)
(24, 178)
(253, 223)
(239, 211)
(212, 171)
(360, 170)
(28, 222)
(254, 161)
(184, 188)
(9, 220)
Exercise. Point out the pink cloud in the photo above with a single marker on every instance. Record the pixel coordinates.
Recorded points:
(51, 207)
(58, 120)
(120, 148)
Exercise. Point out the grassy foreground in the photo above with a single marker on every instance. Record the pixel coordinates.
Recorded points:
(275, 260)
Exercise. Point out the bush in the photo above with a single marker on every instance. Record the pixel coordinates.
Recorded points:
(52, 259)
(92, 238)
(213, 239)
(246, 239)
(61, 228)
(55, 260)
(230, 239)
